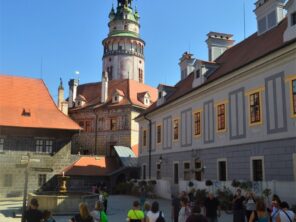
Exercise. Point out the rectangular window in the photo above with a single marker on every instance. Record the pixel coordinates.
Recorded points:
(176, 173)
(113, 124)
(144, 172)
(144, 137)
(221, 117)
(140, 76)
(257, 169)
(101, 124)
(1, 144)
(197, 123)
(198, 170)
(293, 19)
(158, 133)
(7, 180)
(41, 179)
(222, 170)
(158, 171)
(187, 171)
(294, 96)
(39, 146)
(88, 126)
(255, 111)
(48, 146)
(176, 129)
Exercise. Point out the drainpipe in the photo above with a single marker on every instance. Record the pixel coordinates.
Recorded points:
(150, 148)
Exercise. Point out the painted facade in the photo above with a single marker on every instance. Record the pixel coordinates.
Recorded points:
(236, 120)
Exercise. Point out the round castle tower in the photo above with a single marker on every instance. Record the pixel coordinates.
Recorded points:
(123, 48)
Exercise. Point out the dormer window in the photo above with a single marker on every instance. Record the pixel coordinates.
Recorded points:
(147, 101)
(159, 94)
(197, 74)
(117, 96)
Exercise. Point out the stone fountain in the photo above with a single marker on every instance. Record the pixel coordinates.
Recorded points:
(63, 201)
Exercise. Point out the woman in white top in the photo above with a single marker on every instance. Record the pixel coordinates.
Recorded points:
(285, 215)
(154, 213)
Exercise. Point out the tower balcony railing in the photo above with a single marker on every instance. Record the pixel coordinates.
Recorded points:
(123, 52)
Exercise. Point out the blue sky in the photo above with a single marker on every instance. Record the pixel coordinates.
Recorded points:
(50, 39)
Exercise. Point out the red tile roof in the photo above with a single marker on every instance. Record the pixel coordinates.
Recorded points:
(128, 88)
(26, 102)
(92, 166)
(236, 57)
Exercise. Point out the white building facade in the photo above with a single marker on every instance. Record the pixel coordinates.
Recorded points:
(232, 117)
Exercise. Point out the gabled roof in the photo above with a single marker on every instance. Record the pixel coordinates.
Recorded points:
(129, 89)
(236, 57)
(26, 102)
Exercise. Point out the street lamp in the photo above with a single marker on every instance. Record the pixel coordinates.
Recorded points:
(26, 160)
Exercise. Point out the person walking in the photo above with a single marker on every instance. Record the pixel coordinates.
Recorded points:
(98, 213)
(275, 207)
(238, 207)
(259, 214)
(212, 208)
(83, 216)
(135, 214)
(32, 214)
(147, 208)
(185, 211)
(154, 214)
(250, 204)
(285, 215)
(48, 217)
(142, 197)
(105, 198)
(196, 215)
(176, 206)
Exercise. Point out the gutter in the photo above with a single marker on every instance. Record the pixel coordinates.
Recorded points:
(150, 148)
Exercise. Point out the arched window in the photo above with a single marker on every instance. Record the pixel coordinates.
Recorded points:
(110, 72)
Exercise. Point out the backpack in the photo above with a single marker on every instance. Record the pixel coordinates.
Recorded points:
(160, 218)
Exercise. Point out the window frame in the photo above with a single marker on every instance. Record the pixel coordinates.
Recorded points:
(219, 115)
(187, 170)
(158, 137)
(195, 133)
(249, 94)
(253, 158)
(293, 18)
(177, 120)
(198, 170)
(42, 178)
(113, 126)
(9, 182)
(218, 169)
(292, 100)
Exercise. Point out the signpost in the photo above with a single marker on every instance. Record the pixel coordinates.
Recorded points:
(25, 162)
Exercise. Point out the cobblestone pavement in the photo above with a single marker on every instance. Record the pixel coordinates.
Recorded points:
(118, 207)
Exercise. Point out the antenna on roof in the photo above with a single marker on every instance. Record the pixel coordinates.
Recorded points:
(244, 8)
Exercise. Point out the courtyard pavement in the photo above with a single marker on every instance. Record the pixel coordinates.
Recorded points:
(118, 207)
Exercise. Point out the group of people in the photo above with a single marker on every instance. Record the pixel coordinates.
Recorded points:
(248, 208)
(33, 214)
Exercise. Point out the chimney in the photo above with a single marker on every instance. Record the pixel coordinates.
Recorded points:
(290, 32)
(104, 87)
(218, 43)
(269, 13)
(73, 84)
(186, 65)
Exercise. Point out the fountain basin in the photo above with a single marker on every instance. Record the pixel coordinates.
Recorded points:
(63, 203)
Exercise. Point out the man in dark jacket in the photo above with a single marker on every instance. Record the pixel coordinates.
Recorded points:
(33, 214)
